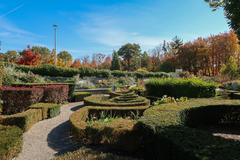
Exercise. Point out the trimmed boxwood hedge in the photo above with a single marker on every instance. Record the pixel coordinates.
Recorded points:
(101, 100)
(168, 134)
(24, 120)
(49, 110)
(10, 142)
(79, 96)
(116, 138)
(175, 87)
(87, 154)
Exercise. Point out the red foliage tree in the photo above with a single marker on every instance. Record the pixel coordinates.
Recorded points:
(29, 58)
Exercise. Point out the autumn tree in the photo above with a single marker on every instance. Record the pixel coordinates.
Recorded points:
(76, 63)
(28, 57)
(11, 56)
(44, 52)
(230, 69)
(129, 52)
(116, 65)
(106, 64)
(64, 58)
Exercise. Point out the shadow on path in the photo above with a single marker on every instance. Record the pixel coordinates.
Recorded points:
(60, 140)
(77, 107)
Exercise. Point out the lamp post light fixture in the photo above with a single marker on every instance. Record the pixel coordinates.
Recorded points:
(55, 43)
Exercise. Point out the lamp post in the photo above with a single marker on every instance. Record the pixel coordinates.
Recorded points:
(55, 43)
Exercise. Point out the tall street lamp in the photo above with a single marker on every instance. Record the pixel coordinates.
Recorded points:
(55, 43)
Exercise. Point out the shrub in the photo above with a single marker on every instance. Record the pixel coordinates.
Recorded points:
(166, 99)
(10, 142)
(79, 96)
(168, 125)
(24, 120)
(17, 76)
(140, 90)
(49, 110)
(88, 154)
(18, 99)
(191, 88)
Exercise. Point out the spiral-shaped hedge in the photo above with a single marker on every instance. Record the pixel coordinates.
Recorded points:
(119, 101)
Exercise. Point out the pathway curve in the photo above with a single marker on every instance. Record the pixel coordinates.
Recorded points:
(49, 137)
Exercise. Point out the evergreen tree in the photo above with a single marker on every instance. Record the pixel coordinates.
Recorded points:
(116, 65)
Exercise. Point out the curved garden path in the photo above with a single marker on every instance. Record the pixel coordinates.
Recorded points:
(49, 138)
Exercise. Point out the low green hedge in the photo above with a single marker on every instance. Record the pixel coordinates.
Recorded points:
(79, 96)
(49, 110)
(10, 142)
(116, 134)
(87, 154)
(100, 100)
(24, 120)
(174, 87)
(168, 134)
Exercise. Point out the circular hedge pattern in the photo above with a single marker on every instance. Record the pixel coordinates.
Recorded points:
(127, 100)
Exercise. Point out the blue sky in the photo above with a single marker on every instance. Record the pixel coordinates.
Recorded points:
(92, 26)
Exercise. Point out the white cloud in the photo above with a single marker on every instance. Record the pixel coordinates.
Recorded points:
(106, 31)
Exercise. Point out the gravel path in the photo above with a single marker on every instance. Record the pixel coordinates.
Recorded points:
(49, 137)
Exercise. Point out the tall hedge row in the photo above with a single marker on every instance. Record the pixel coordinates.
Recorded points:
(53, 71)
(174, 87)
(18, 99)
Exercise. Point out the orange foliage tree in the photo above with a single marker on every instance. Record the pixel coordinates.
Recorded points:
(29, 58)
